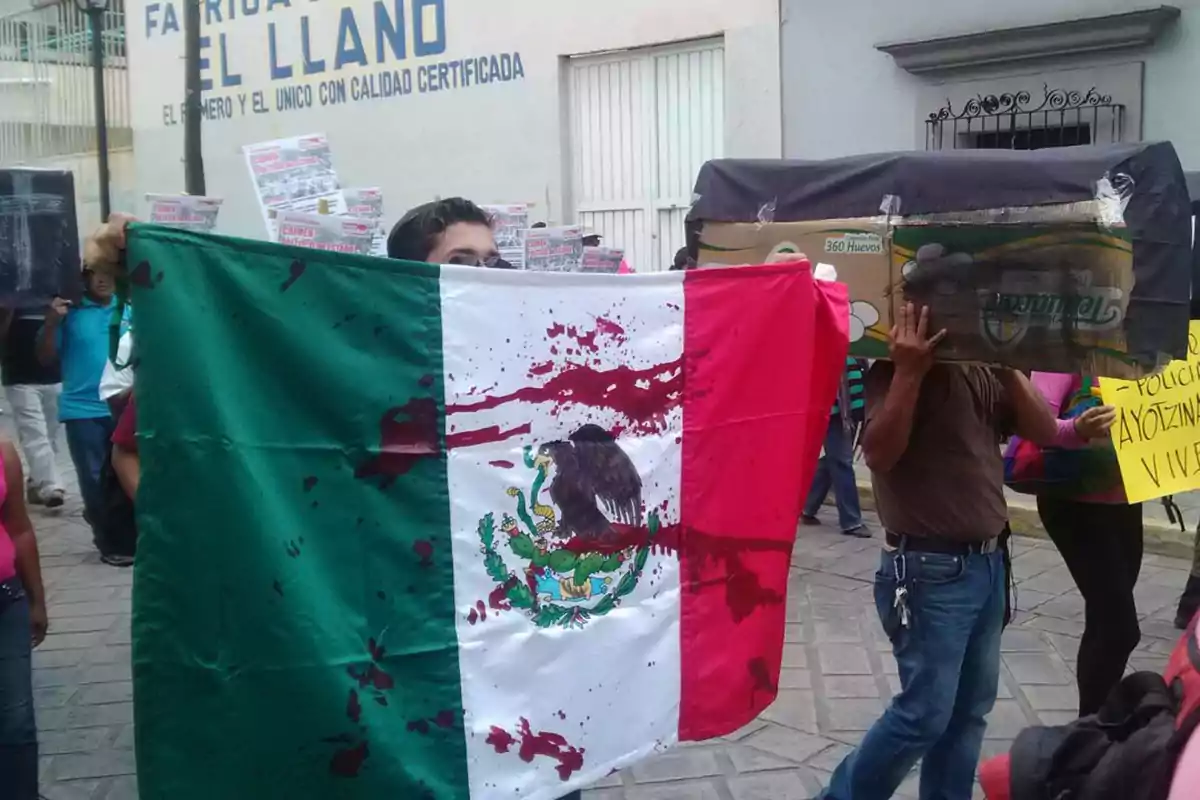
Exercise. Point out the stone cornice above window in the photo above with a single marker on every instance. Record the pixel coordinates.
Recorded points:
(1014, 45)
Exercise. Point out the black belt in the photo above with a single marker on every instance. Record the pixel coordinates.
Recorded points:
(922, 544)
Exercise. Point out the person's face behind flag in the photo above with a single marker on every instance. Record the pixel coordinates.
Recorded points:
(100, 286)
(450, 231)
(465, 243)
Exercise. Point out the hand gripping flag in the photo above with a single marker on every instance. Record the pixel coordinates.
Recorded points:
(411, 531)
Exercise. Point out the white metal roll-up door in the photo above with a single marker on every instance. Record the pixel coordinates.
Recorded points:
(641, 125)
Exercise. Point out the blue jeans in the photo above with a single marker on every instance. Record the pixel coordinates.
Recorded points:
(836, 470)
(949, 659)
(90, 443)
(18, 733)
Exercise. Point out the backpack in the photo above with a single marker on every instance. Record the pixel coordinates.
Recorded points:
(116, 530)
(1058, 471)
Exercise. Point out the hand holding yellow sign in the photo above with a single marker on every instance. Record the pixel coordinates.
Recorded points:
(1157, 432)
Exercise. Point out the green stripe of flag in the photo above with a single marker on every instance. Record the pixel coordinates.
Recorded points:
(305, 634)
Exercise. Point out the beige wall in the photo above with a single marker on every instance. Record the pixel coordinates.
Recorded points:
(496, 142)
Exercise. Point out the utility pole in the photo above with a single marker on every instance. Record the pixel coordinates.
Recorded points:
(193, 155)
(95, 10)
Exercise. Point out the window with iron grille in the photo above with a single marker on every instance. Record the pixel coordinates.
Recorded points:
(1013, 121)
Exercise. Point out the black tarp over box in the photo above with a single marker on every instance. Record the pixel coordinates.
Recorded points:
(1157, 215)
(1193, 183)
(39, 237)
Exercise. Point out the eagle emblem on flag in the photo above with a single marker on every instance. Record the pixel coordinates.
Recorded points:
(578, 555)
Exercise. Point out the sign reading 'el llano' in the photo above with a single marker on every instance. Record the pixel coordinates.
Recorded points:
(1157, 432)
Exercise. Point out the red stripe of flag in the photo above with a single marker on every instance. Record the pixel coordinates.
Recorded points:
(753, 420)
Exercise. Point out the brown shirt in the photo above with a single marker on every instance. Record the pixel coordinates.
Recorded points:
(949, 483)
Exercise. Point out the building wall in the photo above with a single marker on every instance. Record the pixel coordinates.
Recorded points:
(47, 114)
(842, 96)
(495, 142)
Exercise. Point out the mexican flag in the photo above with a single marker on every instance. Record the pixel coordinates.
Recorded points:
(410, 531)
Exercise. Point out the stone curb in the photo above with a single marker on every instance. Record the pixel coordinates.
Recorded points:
(1161, 538)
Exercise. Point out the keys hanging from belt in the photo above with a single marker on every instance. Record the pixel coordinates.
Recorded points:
(900, 570)
(901, 605)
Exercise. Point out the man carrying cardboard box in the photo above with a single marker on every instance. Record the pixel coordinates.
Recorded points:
(932, 443)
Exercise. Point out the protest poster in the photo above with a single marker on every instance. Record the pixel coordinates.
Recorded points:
(554, 249)
(602, 259)
(1157, 432)
(39, 239)
(367, 203)
(509, 224)
(325, 232)
(189, 212)
(294, 174)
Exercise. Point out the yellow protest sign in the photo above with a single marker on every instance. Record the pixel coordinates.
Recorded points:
(1157, 432)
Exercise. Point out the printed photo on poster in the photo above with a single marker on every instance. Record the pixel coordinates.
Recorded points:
(325, 232)
(294, 174)
(554, 249)
(184, 211)
(602, 259)
(509, 224)
(367, 203)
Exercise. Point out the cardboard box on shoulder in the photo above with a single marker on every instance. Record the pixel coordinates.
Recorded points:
(1073, 259)
(858, 250)
(1049, 295)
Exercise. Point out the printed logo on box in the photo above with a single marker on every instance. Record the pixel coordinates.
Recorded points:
(855, 244)
(1006, 316)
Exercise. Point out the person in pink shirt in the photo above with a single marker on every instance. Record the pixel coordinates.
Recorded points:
(23, 626)
(1099, 536)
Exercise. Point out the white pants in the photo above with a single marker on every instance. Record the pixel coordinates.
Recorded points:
(35, 410)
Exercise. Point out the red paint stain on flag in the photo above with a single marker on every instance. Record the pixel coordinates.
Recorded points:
(424, 551)
(488, 435)
(544, 744)
(407, 434)
(642, 396)
(347, 762)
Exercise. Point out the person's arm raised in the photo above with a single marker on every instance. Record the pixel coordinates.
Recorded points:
(46, 347)
(889, 428)
(1032, 417)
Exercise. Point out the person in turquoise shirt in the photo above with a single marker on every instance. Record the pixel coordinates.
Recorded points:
(76, 336)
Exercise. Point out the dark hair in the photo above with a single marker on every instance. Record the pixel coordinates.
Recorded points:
(415, 236)
(682, 260)
(538, 225)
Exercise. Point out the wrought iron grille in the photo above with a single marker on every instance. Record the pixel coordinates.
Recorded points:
(1012, 121)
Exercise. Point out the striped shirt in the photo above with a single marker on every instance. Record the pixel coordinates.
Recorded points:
(852, 391)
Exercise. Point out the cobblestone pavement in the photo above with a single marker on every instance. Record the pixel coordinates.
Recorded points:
(838, 672)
